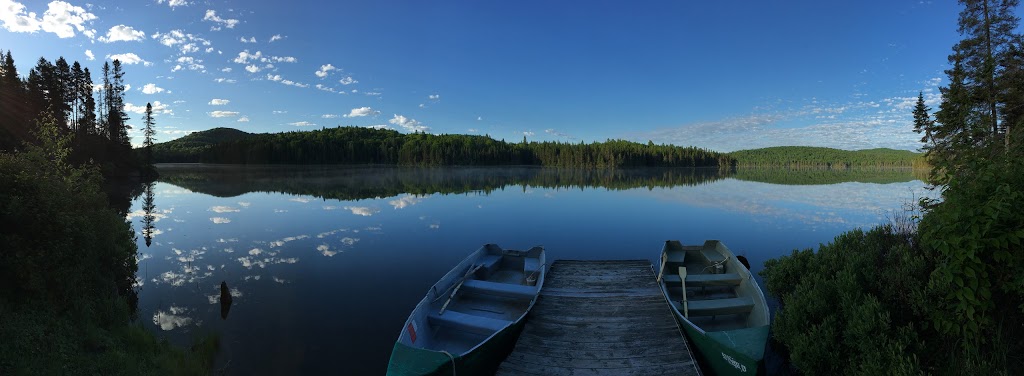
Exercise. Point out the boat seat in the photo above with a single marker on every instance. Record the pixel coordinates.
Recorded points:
(468, 323)
(712, 256)
(489, 262)
(531, 265)
(713, 307)
(727, 279)
(508, 290)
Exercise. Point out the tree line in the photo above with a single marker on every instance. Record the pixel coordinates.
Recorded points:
(359, 145)
(820, 157)
(940, 289)
(93, 115)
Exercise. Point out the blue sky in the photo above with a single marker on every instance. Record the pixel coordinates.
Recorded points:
(718, 75)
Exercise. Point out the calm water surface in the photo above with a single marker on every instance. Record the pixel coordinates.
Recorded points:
(325, 264)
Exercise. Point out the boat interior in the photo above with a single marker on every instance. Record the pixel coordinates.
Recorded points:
(480, 298)
(719, 292)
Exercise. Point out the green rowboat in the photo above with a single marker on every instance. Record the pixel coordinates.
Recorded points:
(470, 320)
(719, 304)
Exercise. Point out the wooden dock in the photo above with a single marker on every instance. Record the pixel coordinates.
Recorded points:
(600, 318)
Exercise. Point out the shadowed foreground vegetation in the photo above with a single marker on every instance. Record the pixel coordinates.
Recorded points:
(67, 269)
(943, 292)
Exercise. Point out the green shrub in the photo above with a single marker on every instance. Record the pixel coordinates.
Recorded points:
(853, 306)
(67, 265)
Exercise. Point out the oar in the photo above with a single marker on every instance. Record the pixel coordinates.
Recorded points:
(456, 290)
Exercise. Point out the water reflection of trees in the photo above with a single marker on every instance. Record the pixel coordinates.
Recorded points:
(148, 218)
(353, 183)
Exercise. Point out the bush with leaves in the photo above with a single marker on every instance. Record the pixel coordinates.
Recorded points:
(67, 267)
(852, 307)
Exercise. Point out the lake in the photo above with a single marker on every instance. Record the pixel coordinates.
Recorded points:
(325, 263)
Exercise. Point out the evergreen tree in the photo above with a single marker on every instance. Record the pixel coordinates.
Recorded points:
(87, 105)
(148, 133)
(922, 121)
(75, 94)
(59, 91)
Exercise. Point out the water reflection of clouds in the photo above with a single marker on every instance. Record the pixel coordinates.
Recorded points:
(406, 201)
(244, 204)
(224, 209)
(857, 204)
(157, 214)
(303, 200)
(174, 317)
(365, 211)
(220, 220)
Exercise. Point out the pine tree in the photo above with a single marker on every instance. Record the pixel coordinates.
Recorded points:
(148, 133)
(87, 104)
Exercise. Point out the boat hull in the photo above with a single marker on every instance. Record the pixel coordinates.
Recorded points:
(483, 360)
(723, 360)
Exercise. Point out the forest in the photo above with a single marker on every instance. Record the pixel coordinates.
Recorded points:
(358, 145)
(95, 124)
(67, 256)
(939, 289)
(818, 157)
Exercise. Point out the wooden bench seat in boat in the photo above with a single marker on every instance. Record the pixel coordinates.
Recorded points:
(508, 290)
(468, 323)
(489, 262)
(713, 307)
(727, 279)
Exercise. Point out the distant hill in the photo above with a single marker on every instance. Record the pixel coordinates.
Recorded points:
(189, 148)
(809, 156)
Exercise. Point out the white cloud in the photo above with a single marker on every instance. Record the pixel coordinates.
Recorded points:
(379, 126)
(280, 59)
(186, 43)
(528, 134)
(151, 89)
(158, 108)
(328, 89)
(301, 124)
(276, 37)
(293, 83)
(250, 40)
(211, 15)
(224, 80)
(329, 116)
(243, 119)
(129, 59)
(324, 70)
(191, 63)
(558, 134)
(89, 55)
(361, 111)
(371, 93)
(122, 33)
(276, 112)
(410, 125)
(245, 56)
(219, 102)
(274, 77)
(226, 70)
(60, 18)
(252, 68)
(348, 80)
(173, 3)
(221, 114)
(434, 97)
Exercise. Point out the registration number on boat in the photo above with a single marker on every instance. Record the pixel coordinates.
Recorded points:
(734, 363)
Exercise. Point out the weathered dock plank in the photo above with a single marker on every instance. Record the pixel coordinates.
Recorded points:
(600, 318)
